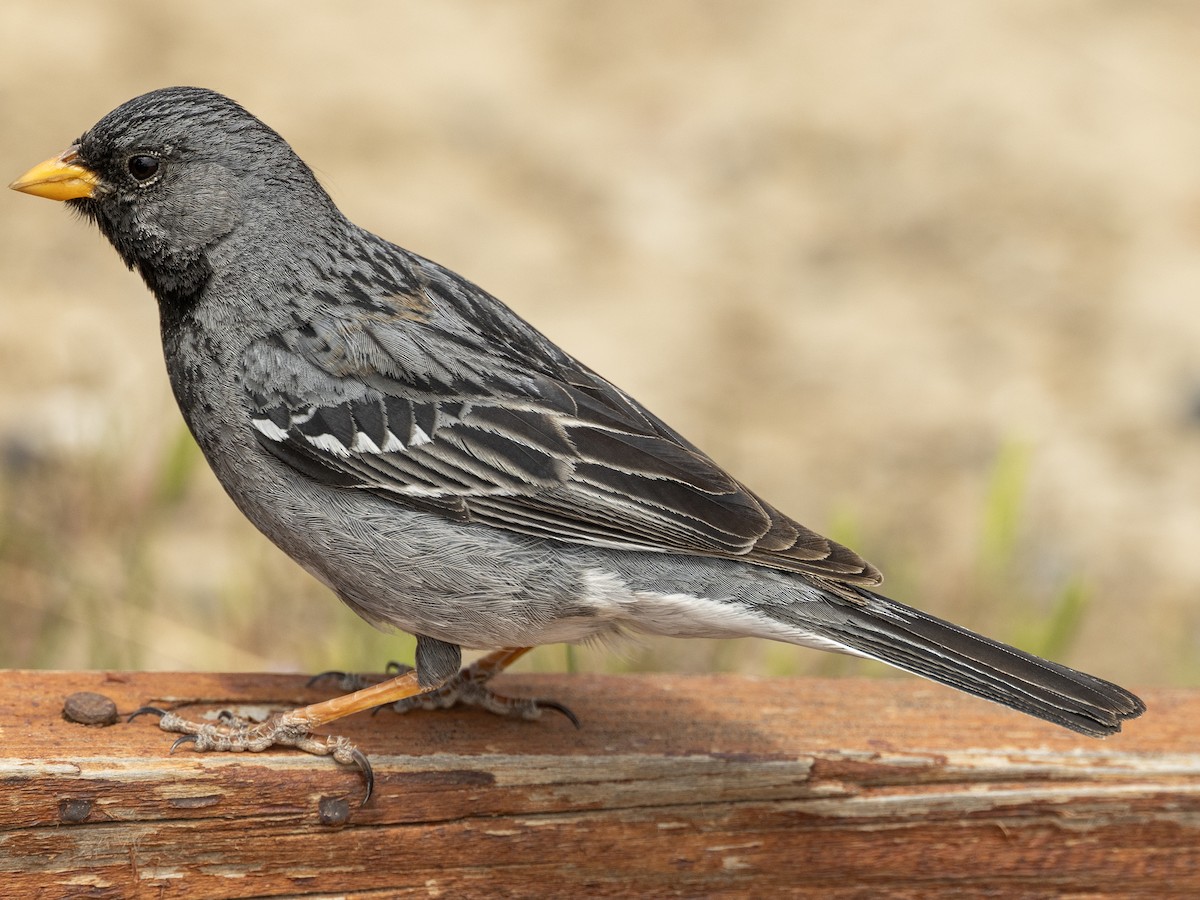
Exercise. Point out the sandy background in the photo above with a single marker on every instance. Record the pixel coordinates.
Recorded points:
(878, 259)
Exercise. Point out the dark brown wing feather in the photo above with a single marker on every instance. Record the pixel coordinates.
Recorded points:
(510, 432)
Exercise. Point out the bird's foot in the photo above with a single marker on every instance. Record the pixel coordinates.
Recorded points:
(439, 688)
(469, 688)
(231, 734)
(356, 681)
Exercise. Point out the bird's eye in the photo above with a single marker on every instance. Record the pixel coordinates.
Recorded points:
(142, 167)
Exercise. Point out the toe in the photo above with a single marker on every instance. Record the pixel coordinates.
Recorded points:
(185, 739)
(559, 708)
(146, 711)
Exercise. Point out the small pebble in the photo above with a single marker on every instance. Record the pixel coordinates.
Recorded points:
(89, 708)
(72, 812)
(333, 811)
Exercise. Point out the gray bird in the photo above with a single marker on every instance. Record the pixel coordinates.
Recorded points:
(442, 466)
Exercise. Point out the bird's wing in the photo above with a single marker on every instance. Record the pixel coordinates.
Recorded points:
(479, 418)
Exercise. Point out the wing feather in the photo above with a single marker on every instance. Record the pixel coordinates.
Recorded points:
(532, 442)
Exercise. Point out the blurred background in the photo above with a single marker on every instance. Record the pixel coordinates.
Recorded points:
(925, 274)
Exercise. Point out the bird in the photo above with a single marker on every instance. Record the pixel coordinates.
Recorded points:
(442, 466)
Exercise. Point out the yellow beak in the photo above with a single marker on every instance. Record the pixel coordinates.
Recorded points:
(61, 177)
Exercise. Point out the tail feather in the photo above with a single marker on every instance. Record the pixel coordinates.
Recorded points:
(933, 648)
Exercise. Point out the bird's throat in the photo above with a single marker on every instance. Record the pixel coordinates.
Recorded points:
(177, 276)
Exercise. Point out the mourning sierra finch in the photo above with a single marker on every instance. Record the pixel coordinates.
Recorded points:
(441, 465)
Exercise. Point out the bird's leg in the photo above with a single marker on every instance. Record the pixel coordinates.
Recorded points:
(469, 687)
(437, 662)
(435, 683)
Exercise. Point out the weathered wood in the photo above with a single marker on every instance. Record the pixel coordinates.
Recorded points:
(691, 786)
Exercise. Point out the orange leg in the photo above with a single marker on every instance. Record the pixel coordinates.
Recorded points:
(401, 687)
(294, 728)
(469, 687)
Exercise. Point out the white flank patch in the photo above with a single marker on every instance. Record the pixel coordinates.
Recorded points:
(684, 615)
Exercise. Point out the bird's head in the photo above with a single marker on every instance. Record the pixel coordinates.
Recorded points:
(170, 175)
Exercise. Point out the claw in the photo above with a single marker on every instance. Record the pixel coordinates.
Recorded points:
(559, 708)
(368, 774)
(180, 741)
(331, 673)
(146, 711)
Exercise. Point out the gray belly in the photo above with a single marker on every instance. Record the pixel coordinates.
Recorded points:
(483, 587)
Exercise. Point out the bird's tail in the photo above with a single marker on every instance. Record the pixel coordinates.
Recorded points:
(909, 639)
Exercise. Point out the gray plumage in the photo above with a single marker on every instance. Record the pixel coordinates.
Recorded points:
(445, 468)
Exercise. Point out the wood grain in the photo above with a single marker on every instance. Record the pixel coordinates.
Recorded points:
(675, 786)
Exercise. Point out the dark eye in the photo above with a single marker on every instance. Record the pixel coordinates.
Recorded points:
(143, 167)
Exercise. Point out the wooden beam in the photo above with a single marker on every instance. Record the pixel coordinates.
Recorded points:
(680, 785)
